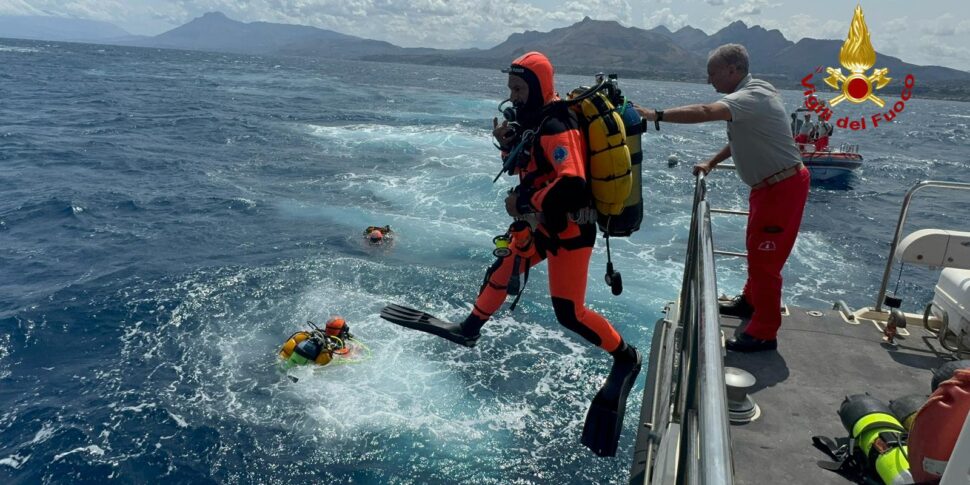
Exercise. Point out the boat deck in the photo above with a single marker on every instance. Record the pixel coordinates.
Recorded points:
(820, 360)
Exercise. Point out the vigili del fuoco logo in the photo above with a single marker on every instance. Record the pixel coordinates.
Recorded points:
(858, 86)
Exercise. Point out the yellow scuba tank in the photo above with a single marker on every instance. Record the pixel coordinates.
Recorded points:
(287, 350)
(291, 356)
(610, 175)
(613, 130)
(878, 435)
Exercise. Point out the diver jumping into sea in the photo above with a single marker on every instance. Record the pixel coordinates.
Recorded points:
(549, 156)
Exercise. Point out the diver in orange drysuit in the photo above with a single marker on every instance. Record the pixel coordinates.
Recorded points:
(552, 188)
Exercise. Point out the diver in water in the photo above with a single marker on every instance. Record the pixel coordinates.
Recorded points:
(541, 140)
(378, 234)
(317, 345)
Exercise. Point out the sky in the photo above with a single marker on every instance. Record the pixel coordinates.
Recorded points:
(921, 32)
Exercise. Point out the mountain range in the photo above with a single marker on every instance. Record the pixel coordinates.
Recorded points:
(585, 47)
(38, 27)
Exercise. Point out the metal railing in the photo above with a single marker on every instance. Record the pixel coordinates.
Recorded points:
(849, 148)
(903, 211)
(685, 435)
(700, 402)
(687, 439)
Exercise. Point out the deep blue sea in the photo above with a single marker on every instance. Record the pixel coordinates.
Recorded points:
(168, 218)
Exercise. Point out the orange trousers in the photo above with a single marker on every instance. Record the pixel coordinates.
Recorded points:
(568, 269)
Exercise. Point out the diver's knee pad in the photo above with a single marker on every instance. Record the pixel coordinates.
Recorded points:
(566, 314)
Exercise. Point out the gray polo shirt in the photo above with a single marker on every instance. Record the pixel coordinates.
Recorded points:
(759, 131)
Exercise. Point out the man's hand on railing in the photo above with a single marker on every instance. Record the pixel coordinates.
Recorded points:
(705, 167)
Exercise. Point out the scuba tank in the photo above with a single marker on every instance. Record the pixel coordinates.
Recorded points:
(906, 407)
(317, 345)
(302, 349)
(611, 122)
(878, 435)
(613, 130)
(937, 426)
(628, 221)
(333, 344)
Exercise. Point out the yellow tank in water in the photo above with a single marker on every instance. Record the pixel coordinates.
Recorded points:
(290, 344)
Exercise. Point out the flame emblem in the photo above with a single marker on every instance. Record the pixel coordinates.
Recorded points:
(857, 55)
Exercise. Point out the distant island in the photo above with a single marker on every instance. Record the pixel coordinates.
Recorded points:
(584, 47)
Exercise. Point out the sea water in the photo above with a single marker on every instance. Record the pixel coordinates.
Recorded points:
(168, 218)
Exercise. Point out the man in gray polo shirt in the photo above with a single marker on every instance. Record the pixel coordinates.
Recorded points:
(760, 141)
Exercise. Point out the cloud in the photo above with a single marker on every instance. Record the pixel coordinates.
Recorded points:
(802, 25)
(665, 17)
(19, 7)
(747, 10)
(900, 24)
(715, 2)
(945, 25)
(930, 51)
(409, 23)
(574, 11)
(114, 11)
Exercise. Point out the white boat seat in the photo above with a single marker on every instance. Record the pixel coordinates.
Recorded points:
(937, 248)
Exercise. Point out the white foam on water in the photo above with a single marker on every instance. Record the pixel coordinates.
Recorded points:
(137, 409)
(43, 434)
(426, 137)
(14, 461)
(179, 420)
(819, 270)
(248, 202)
(5, 347)
(522, 375)
(94, 450)
(21, 50)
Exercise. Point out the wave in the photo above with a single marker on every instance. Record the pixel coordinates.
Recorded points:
(402, 138)
(20, 50)
(216, 340)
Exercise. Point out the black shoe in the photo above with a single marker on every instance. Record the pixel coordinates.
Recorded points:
(747, 343)
(738, 307)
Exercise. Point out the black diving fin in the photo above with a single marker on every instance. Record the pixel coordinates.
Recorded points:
(418, 320)
(604, 420)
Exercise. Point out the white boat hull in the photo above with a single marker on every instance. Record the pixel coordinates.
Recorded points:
(828, 165)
